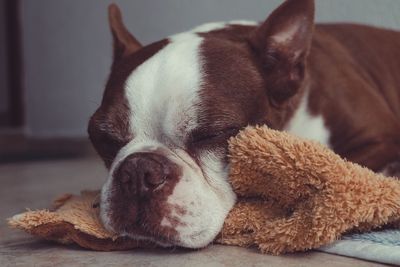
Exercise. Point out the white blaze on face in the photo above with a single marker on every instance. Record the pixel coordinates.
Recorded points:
(163, 95)
(163, 91)
(213, 26)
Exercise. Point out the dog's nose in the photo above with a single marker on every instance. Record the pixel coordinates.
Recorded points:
(143, 173)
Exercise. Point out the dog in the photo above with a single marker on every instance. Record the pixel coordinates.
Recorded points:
(170, 107)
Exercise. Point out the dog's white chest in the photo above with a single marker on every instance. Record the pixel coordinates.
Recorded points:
(308, 126)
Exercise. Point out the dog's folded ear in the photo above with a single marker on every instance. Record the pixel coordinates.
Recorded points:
(124, 42)
(282, 42)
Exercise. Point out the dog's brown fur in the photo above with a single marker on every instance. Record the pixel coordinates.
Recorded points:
(355, 86)
(351, 72)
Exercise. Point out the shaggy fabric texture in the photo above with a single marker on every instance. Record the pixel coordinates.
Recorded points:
(294, 195)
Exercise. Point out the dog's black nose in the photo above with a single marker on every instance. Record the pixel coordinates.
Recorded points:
(143, 173)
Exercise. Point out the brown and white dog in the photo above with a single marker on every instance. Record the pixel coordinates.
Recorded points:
(170, 107)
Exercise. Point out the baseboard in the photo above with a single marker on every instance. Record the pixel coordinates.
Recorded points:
(17, 147)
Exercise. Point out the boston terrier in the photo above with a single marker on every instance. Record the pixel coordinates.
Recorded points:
(170, 107)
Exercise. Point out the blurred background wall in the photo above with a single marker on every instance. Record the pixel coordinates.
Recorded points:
(3, 72)
(67, 46)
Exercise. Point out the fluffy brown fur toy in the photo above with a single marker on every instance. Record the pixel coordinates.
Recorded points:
(294, 195)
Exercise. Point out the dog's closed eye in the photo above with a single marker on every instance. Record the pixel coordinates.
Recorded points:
(209, 136)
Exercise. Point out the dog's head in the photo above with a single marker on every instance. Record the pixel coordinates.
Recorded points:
(169, 109)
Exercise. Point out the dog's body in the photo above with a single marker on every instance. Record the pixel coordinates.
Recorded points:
(354, 86)
(170, 107)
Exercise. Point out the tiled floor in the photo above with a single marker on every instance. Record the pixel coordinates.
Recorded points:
(34, 185)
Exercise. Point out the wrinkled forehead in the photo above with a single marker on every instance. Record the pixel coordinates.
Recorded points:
(163, 92)
(190, 80)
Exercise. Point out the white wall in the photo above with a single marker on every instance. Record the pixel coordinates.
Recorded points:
(3, 74)
(68, 46)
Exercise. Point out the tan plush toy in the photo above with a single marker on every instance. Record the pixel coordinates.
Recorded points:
(294, 195)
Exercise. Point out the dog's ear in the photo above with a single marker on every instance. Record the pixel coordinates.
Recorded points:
(124, 42)
(282, 42)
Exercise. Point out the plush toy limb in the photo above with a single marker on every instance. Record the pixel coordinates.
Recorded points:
(291, 234)
(245, 220)
(275, 165)
(339, 209)
(328, 195)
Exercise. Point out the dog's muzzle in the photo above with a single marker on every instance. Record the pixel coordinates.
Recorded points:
(137, 199)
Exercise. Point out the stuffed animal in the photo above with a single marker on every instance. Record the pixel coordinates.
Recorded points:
(294, 195)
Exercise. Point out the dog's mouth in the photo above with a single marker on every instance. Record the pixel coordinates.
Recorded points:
(141, 229)
(165, 240)
(170, 235)
(140, 233)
